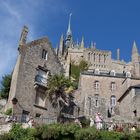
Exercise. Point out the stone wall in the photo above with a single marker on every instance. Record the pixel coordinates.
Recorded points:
(23, 79)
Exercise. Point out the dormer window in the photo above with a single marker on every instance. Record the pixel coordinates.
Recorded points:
(113, 73)
(97, 71)
(45, 54)
(128, 74)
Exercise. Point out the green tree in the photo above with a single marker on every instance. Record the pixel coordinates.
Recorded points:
(83, 65)
(5, 86)
(59, 90)
(76, 69)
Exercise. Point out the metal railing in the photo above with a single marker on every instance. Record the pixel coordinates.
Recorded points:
(21, 119)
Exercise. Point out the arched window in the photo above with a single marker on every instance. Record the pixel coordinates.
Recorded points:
(97, 85)
(113, 73)
(113, 100)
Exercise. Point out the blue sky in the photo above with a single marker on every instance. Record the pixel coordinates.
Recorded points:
(111, 24)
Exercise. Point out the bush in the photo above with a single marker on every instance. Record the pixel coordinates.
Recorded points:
(5, 136)
(8, 111)
(65, 132)
(85, 122)
(89, 133)
(106, 135)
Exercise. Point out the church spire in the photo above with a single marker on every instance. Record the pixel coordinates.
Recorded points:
(68, 41)
(69, 32)
(134, 49)
(135, 54)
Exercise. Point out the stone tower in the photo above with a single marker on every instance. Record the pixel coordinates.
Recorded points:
(135, 60)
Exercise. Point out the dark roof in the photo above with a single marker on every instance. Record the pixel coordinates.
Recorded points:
(105, 74)
(126, 92)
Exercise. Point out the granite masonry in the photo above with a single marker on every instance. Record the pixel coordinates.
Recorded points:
(109, 86)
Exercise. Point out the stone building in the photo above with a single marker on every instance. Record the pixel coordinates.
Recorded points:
(106, 80)
(130, 102)
(35, 63)
(106, 87)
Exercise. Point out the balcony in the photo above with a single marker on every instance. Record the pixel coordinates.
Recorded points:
(40, 81)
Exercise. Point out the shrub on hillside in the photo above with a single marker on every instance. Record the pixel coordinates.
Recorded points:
(8, 111)
(89, 133)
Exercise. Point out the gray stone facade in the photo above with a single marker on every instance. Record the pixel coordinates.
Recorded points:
(101, 87)
(114, 77)
(36, 61)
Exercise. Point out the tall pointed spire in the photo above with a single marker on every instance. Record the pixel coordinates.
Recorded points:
(135, 54)
(93, 45)
(134, 49)
(69, 32)
(68, 41)
(82, 42)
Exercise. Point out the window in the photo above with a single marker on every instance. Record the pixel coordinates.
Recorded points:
(88, 56)
(38, 115)
(42, 77)
(97, 71)
(113, 100)
(104, 58)
(113, 73)
(96, 85)
(99, 58)
(135, 113)
(40, 98)
(113, 86)
(94, 57)
(96, 100)
(89, 100)
(45, 54)
(128, 74)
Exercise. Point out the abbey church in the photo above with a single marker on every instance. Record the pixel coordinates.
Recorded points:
(111, 87)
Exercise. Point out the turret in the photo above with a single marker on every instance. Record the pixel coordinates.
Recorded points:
(82, 43)
(118, 54)
(61, 46)
(135, 60)
(93, 45)
(135, 53)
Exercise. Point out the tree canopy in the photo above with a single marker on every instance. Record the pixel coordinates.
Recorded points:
(59, 90)
(5, 86)
(77, 68)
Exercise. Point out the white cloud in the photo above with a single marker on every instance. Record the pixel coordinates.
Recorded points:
(16, 13)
